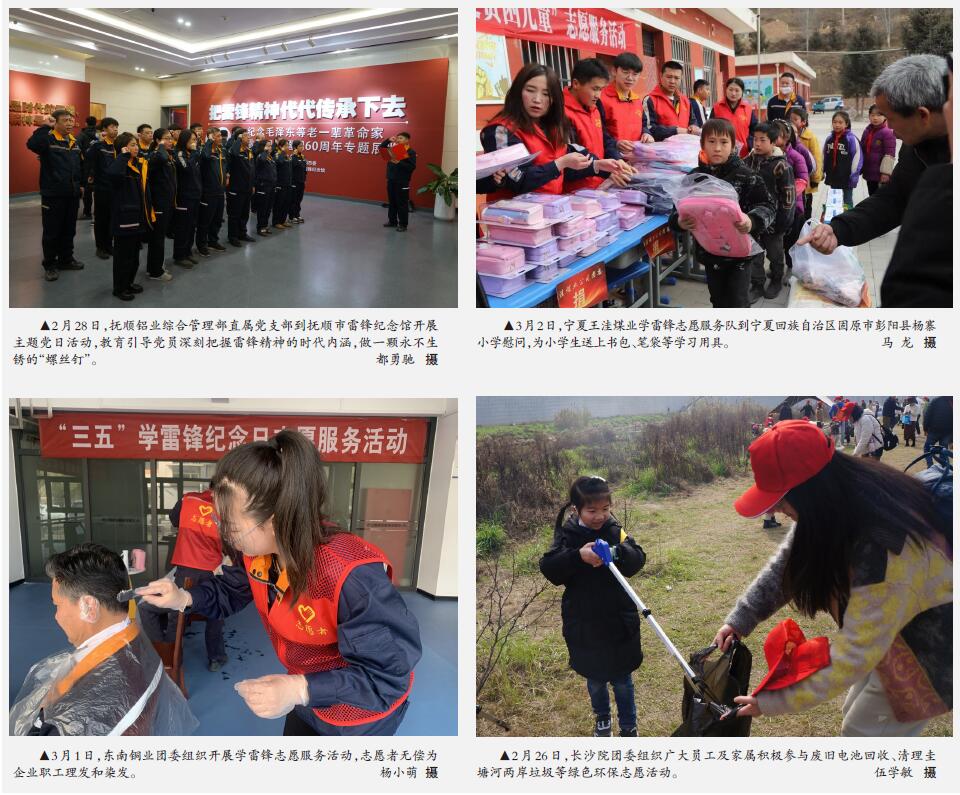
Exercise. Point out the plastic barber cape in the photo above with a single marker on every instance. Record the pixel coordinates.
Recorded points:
(118, 687)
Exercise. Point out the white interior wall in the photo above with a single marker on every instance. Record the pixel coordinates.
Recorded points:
(177, 92)
(130, 100)
(16, 544)
(39, 62)
(437, 573)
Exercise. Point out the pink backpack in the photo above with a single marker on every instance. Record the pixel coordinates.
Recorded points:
(715, 229)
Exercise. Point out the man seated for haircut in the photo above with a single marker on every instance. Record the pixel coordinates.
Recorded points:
(112, 682)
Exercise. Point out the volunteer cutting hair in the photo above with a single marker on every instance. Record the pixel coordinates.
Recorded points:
(868, 548)
(336, 622)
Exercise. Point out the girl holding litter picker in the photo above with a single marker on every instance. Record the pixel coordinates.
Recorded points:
(601, 625)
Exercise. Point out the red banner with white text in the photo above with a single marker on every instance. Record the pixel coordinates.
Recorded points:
(206, 437)
(593, 29)
(342, 116)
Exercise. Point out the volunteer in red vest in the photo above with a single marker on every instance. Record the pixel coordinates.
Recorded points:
(778, 106)
(198, 555)
(739, 113)
(581, 103)
(622, 106)
(533, 115)
(666, 109)
(337, 624)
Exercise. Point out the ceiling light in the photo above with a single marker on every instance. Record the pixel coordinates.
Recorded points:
(187, 24)
(345, 49)
(271, 60)
(161, 77)
(209, 69)
(179, 20)
(56, 56)
(446, 36)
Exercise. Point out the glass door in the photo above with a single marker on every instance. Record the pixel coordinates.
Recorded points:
(120, 509)
(54, 509)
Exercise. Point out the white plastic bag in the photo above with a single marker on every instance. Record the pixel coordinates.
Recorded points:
(837, 276)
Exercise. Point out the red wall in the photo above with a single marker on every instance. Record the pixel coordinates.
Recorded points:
(25, 87)
(358, 176)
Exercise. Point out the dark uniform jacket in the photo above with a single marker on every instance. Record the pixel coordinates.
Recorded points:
(266, 172)
(61, 162)
(284, 171)
(213, 170)
(189, 180)
(402, 170)
(299, 164)
(162, 179)
(240, 166)
(132, 214)
(98, 159)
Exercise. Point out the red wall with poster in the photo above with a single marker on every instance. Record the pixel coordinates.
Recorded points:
(339, 114)
(29, 97)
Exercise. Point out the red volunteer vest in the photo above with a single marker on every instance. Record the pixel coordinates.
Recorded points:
(670, 114)
(304, 633)
(739, 118)
(198, 539)
(588, 128)
(624, 114)
(537, 142)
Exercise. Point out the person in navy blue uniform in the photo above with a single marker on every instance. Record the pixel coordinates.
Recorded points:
(240, 185)
(299, 165)
(186, 207)
(162, 180)
(132, 220)
(61, 177)
(87, 136)
(214, 180)
(399, 173)
(98, 159)
(265, 188)
(282, 193)
(349, 650)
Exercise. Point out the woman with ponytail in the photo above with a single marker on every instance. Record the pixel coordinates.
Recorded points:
(336, 622)
(601, 624)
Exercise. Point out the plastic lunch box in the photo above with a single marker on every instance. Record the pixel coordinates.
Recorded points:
(519, 236)
(554, 206)
(494, 259)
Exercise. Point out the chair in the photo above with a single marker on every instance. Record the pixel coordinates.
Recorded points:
(171, 654)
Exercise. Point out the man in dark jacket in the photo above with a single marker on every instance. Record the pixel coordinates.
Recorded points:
(61, 175)
(86, 137)
(889, 413)
(922, 127)
(938, 421)
(240, 176)
(214, 176)
(99, 158)
(399, 172)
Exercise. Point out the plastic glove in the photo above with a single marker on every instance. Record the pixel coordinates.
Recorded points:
(275, 695)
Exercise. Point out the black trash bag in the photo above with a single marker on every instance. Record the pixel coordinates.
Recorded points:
(722, 678)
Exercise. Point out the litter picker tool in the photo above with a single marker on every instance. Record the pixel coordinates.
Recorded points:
(722, 711)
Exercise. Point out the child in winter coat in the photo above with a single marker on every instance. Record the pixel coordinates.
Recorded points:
(768, 160)
(728, 278)
(879, 146)
(801, 177)
(842, 157)
(601, 625)
(798, 119)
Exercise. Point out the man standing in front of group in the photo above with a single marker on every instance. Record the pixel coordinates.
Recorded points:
(100, 157)
(666, 109)
(213, 172)
(61, 176)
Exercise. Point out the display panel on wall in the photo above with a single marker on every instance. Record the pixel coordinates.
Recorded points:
(32, 98)
(342, 116)
(206, 437)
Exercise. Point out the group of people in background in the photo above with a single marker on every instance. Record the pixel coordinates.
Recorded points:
(580, 135)
(147, 187)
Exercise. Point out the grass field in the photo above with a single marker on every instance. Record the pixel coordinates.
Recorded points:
(700, 556)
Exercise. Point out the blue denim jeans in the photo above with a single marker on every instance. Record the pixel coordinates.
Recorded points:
(622, 693)
(934, 441)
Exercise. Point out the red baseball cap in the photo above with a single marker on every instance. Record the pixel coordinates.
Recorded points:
(791, 452)
(791, 657)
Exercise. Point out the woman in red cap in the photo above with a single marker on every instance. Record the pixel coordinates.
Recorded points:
(868, 548)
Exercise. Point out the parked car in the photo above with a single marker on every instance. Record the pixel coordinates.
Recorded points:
(828, 103)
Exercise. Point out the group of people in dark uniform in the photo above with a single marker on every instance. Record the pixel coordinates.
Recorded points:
(157, 184)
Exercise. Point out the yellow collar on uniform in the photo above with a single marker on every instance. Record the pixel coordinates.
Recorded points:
(627, 96)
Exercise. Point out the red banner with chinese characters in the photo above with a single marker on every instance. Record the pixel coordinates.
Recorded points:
(659, 241)
(206, 437)
(583, 289)
(342, 116)
(593, 29)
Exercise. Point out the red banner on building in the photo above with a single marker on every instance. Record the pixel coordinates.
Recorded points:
(206, 437)
(342, 116)
(583, 289)
(593, 29)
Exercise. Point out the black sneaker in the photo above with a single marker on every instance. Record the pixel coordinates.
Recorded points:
(263, 232)
(234, 242)
(51, 274)
(401, 229)
(629, 732)
(203, 252)
(602, 727)
(216, 247)
(136, 289)
(756, 293)
(773, 289)
(103, 253)
(124, 295)
(770, 524)
(73, 265)
(247, 239)
(387, 225)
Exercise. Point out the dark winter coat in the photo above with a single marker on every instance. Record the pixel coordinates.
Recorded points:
(284, 171)
(755, 201)
(842, 160)
(877, 143)
(98, 158)
(61, 162)
(240, 167)
(213, 170)
(777, 175)
(130, 204)
(266, 173)
(402, 170)
(920, 272)
(162, 179)
(878, 214)
(86, 137)
(601, 625)
(299, 166)
(189, 180)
